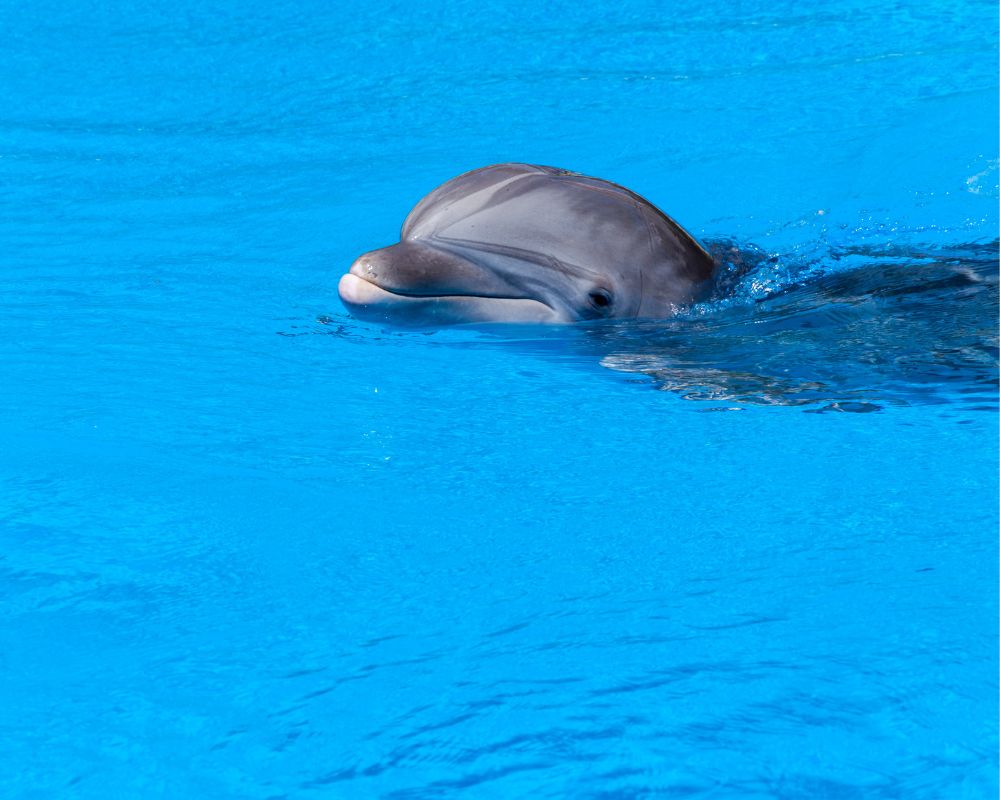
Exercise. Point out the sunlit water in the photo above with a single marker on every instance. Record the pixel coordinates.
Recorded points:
(255, 548)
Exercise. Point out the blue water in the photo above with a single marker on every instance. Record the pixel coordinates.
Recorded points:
(252, 548)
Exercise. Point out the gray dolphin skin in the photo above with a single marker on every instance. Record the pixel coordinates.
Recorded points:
(529, 244)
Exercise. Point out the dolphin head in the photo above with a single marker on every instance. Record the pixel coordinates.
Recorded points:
(520, 243)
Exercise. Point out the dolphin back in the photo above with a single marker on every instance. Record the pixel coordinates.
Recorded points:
(553, 216)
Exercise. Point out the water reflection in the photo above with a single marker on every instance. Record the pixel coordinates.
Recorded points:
(858, 329)
(892, 326)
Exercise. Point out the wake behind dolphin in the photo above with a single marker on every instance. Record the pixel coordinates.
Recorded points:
(903, 325)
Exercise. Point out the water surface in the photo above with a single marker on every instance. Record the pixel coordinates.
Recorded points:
(254, 548)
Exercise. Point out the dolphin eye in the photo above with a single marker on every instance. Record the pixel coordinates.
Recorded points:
(600, 298)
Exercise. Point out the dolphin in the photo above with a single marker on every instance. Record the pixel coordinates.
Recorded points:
(529, 244)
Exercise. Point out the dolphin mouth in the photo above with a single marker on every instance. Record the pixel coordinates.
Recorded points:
(367, 300)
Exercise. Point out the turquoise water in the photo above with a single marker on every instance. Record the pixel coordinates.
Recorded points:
(253, 548)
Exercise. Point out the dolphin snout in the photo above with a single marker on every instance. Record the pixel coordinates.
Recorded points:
(418, 282)
(378, 267)
(419, 269)
(364, 267)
